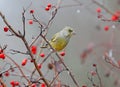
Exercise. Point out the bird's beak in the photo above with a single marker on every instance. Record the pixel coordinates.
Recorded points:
(73, 33)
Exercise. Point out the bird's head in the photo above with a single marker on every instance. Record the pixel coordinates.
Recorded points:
(68, 31)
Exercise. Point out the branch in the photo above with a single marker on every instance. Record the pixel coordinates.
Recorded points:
(98, 77)
(23, 20)
(53, 14)
(102, 6)
(27, 47)
(110, 61)
(35, 64)
(19, 69)
(2, 83)
(16, 51)
(9, 26)
(36, 20)
(54, 79)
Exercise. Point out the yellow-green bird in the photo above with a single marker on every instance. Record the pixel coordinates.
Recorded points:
(60, 40)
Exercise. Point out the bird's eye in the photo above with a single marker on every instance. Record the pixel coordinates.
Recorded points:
(70, 30)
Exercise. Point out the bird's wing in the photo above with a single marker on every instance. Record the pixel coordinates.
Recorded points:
(54, 38)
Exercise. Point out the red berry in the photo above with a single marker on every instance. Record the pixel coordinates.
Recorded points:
(47, 8)
(1, 51)
(33, 85)
(17, 83)
(99, 16)
(6, 29)
(39, 66)
(2, 56)
(98, 10)
(31, 61)
(62, 53)
(12, 83)
(94, 65)
(49, 5)
(6, 73)
(94, 85)
(42, 55)
(42, 85)
(106, 28)
(24, 62)
(93, 73)
(30, 21)
(84, 86)
(31, 11)
(34, 49)
(114, 18)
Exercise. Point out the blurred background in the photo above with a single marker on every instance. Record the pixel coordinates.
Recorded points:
(82, 16)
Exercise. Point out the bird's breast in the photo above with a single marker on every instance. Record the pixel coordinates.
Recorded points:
(59, 44)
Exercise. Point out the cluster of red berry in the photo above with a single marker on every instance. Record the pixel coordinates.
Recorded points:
(114, 17)
(2, 55)
(32, 11)
(48, 7)
(14, 83)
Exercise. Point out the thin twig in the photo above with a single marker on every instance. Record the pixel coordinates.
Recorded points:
(54, 79)
(70, 73)
(39, 22)
(91, 80)
(10, 27)
(41, 63)
(16, 51)
(35, 64)
(54, 12)
(8, 69)
(46, 57)
(2, 83)
(102, 6)
(98, 77)
(23, 20)
(29, 83)
(109, 61)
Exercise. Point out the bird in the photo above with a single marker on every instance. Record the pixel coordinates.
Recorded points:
(61, 39)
